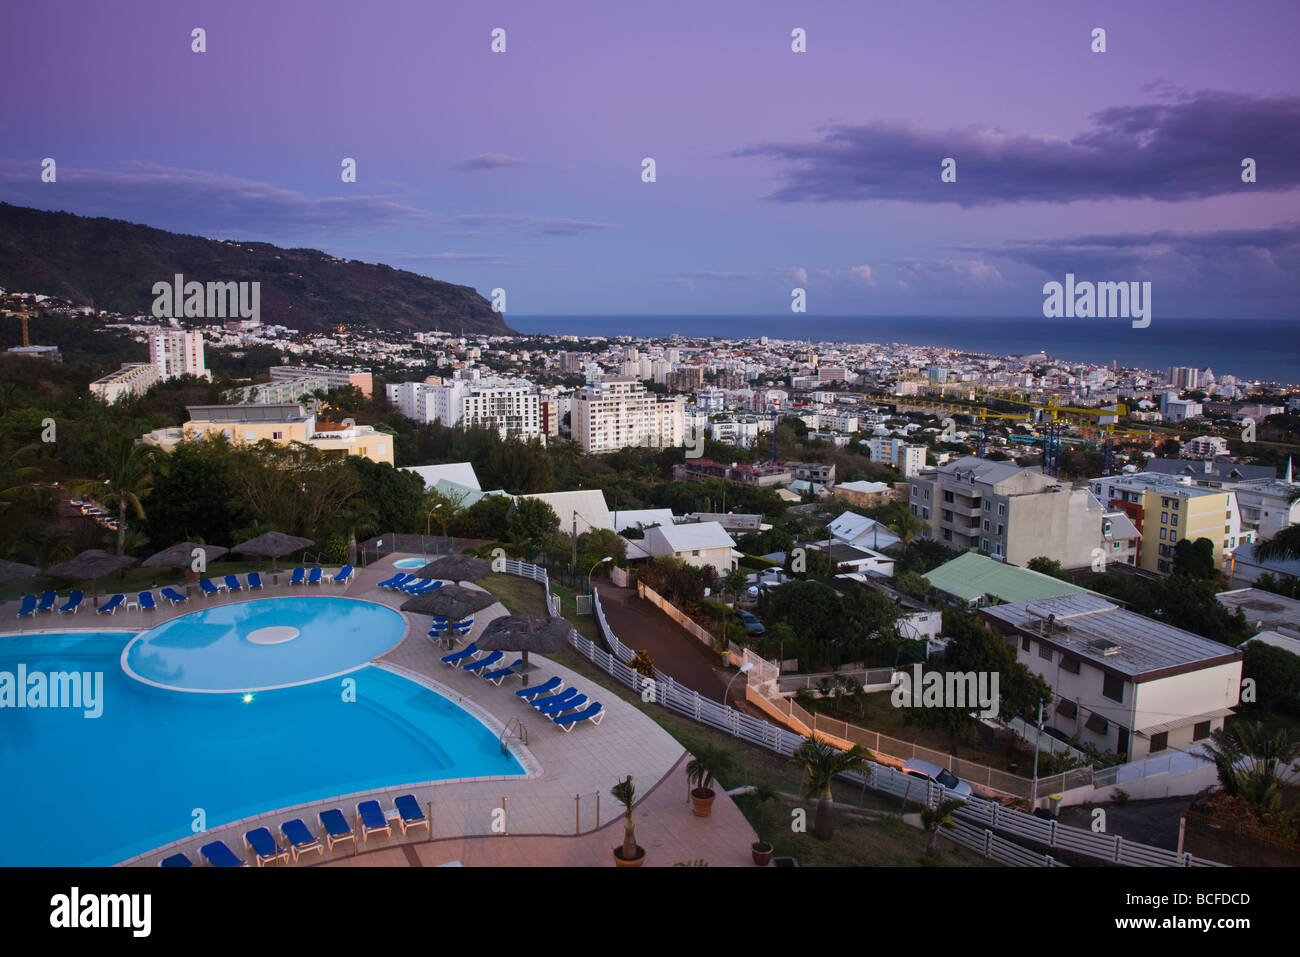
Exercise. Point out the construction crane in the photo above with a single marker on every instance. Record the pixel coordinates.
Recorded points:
(1054, 426)
(981, 419)
(1108, 445)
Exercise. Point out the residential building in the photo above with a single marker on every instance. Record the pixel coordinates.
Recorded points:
(334, 378)
(1175, 409)
(277, 391)
(1205, 447)
(1011, 513)
(850, 528)
(511, 406)
(1122, 682)
(174, 352)
(974, 580)
(864, 494)
(908, 458)
(762, 474)
(282, 424)
(134, 378)
(703, 544)
(1211, 473)
(617, 411)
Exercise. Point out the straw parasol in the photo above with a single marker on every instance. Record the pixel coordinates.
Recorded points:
(451, 602)
(456, 568)
(16, 571)
(273, 545)
(181, 555)
(525, 633)
(92, 564)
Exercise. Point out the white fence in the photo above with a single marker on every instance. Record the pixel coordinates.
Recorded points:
(976, 820)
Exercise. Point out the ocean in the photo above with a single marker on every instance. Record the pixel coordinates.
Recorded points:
(1258, 349)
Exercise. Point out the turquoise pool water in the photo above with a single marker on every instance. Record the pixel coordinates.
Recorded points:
(268, 643)
(409, 563)
(95, 791)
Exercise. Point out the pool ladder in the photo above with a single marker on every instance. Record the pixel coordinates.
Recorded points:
(521, 734)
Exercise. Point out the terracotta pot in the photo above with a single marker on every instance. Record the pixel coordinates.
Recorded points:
(761, 857)
(635, 862)
(702, 800)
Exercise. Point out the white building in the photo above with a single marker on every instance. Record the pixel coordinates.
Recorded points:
(511, 406)
(135, 378)
(174, 353)
(701, 544)
(616, 411)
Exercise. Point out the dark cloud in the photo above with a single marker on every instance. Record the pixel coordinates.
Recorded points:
(488, 161)
(535, 225)
(1189, 147)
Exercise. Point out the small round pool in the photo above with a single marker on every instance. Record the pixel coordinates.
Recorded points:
(263, 644)
(409, 563)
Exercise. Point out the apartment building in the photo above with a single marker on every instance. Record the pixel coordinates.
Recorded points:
(1205, 447)
(1121, 682)
(1166, 509)
(134, 378)
(617, 411)
(174, 352)
(1011, 513)
(277, 391)
(511, 406)
(864, 494)
(902, 455)
(282, 424)
(362, 379)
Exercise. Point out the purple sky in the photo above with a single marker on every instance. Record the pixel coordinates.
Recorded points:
(523, 170)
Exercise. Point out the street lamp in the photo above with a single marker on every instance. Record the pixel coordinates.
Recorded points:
(428, 522)
(607, 558)
(743, 668)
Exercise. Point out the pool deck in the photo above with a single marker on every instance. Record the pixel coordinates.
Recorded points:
(560, 813)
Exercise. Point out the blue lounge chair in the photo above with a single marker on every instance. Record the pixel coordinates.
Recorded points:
(456, 657)
(409, 814)
(176, 860)
(560, 698)
(567, 722)
(73, 603)
(337, 829)
(218, 855)
(208, 587)
(412, 584)
(487, 661)
(254, 581)
(145, 598)
(572, 704)
(264, 846)
(371, 820)
(464, 626)
(110, 607)
(314, 576)
(300, 838)
(344, 576)
(48, 598)
(440, 626)
(550, 686)
(171, 594)
(232, 583)
(396, 582)
(28, 608)
(501, 674)
(298, 576)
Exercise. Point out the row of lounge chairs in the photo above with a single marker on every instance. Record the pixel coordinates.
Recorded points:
(299, 839)
(564, 708)
(315, 576)
(410, 584)
(49, 601)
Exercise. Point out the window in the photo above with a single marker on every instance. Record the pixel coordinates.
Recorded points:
(1164, 518)
(1164, 503)
(1200, 730)
(1068, 709)
(1096, 723)
(947, 515)
(913, 491)
(1163, 533)
(1025, 643)
(925, 512)
(948, 497)
(1112, 687)
(1001, 529)
(1175, 503)
(1070, 664)
(277, 436)
(927, 495)
(986, 524)
(695, 553)
(947, 535)
(1002, 509)
(1044, 652)
(1159, 741)
(1173, 519)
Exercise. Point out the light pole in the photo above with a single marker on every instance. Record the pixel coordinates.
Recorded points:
(607, 558)
(428, 522)
(743, 668)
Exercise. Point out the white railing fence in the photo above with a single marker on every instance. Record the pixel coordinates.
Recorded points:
(977, 820)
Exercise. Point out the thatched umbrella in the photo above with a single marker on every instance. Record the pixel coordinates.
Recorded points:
(181, 555)
(456, 568)
(16, 571)
(451, 602)
(525, 633)
(273, 545)
(92, 564)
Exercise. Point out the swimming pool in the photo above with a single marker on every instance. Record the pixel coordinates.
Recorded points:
(409, 563)
(95, 791)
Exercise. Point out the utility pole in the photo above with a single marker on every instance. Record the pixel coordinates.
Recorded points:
(1033, 801)
(574, 566)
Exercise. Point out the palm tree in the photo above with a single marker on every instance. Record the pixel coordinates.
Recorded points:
(125, 479)
(734, 581)
(822, 762)
(933, 818)
(625, 793)
(1251, 763)
(907, 526)
(1284, 545)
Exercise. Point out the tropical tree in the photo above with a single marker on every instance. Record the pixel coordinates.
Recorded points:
(1251, 762)
(822, 762)
(933, 818)
(1284, 545)
(125, 478)
(907, 526)
(734, 581)
(625, 793)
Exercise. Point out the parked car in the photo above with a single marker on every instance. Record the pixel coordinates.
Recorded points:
(940, 775)
(751, 622)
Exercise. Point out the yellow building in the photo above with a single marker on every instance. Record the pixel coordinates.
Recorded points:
(1167, 509)
(285, 423)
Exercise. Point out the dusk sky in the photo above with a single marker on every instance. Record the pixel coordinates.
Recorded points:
(775, 169)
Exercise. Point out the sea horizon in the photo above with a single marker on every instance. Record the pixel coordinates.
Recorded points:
(1266, 350)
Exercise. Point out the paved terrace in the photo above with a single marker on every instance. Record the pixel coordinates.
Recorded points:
(564, 794)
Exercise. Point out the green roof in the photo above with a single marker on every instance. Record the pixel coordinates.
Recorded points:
(971, 577)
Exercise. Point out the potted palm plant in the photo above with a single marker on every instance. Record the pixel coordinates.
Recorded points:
(761, 849)
(630, 853)
(708, 763)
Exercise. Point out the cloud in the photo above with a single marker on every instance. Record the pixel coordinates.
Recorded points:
(488, 161)
(534, 225)
(1189, 146)
(969, 274)
(203, 202)
(476, 259)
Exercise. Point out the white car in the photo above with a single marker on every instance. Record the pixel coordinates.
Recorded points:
(940, 775)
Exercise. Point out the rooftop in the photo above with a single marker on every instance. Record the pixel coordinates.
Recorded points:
(1262, 608)
(970, 577)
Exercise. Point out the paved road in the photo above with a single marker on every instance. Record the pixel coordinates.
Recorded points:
(1150, 822)
(640, 624)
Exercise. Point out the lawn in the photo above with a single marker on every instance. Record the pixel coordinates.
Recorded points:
(134, 580)
(858, 842)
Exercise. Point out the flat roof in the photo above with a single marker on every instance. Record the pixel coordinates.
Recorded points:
(1087, 626)
(971, 577)
(1265, 607)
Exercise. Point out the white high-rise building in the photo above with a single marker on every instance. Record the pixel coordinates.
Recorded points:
(174, 352)
(511, 406)
(617, 411)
